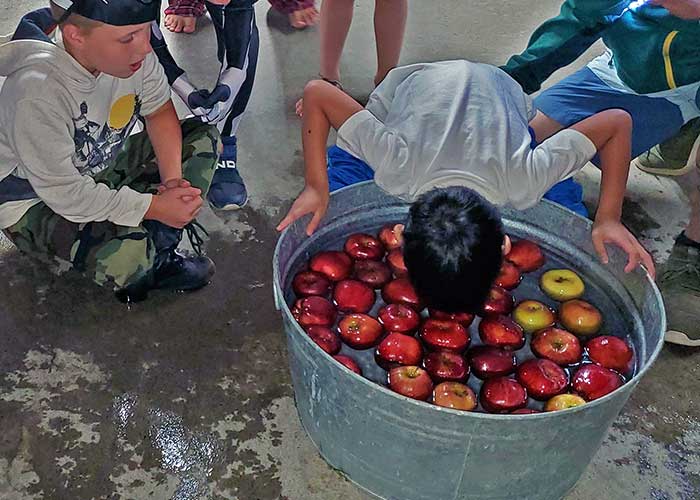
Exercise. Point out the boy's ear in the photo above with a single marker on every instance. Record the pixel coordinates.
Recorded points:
(73, 34)
(505, 248)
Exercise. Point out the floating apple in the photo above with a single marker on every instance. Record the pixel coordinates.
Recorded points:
(401, 291)
(314, 310)
(308, 283)
(336, 266)
(593, 381)
(443, 366)
(524, 411)
(325, 338)
(562, 284)
(490, 362)
(411, 381)
(611, 352)
(398, 349)
(348, 363)
(502, 395)
(391, 236)
(580, 317)
(399, 318)
(509, 277)
(533, 315)
(499, 301)
(542, 378)
(501, 331)
(373, 273)
(454, 395)
(558, 345)
(463, 318)
(526, 255)
(564, 402)
(363, 246)
(360, 331)
(395, 260)
(448, 335)
(353, 296)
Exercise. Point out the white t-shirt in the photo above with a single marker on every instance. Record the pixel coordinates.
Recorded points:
(459, 123)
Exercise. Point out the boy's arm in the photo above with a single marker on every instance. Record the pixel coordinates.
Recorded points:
(165, 133)
(561, 40)
(611, 132)
(324, 106)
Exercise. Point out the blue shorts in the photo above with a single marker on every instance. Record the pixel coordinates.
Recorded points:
(654, 119)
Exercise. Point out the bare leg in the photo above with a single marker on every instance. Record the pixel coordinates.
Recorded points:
(389, 28)
(336, 16)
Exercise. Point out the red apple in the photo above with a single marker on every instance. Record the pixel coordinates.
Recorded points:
(611, 352)
(348, 363)
(396, 263)
(399, 318)
(502, 395)
(374, 273)
(325, 338)
(411, 381)
(490, 362)
(533, 315)
(443, 366)
(336, 266)
(526, 255)
(542, 378)
(447, 335)
(580, 317)
(501, 331)
(391, 236)
(363, 246)
(401, 291)
(308, 283)
(509, 277)
(463, 318)
(525, 411)
(360, 331)
(499, 301)
(593, 381)
(454, 395)
(558, 345)
(353, 296)
(314, 310)
(398, 349)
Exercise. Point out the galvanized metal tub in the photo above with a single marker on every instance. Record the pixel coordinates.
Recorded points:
(398, 448)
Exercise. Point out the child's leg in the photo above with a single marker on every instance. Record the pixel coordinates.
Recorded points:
(389, 28)
(336, 16)
(111, 255)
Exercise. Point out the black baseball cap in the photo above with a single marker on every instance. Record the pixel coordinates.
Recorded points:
(114, 12)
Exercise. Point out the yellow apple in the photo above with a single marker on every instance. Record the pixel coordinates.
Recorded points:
(562, 284)
(564, 401)
(533, 315)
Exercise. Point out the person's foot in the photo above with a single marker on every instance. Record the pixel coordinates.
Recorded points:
(227, 191)
(680, 287)
(303, 18)
(180, 24)
(676, 156)
(183, 271)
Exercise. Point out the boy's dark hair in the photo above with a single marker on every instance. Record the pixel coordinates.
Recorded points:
(452, 248)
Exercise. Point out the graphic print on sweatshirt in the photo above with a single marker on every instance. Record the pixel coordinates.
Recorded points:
(95, 145)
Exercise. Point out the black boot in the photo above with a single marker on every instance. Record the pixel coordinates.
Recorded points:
(172, 269)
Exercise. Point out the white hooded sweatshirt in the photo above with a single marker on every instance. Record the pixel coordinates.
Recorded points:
(60, 126)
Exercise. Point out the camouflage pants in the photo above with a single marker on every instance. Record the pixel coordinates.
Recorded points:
(115, 255)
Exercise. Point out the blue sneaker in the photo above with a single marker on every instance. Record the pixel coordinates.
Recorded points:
(227, 191)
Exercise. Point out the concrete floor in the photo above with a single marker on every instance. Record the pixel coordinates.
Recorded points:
(188, 396)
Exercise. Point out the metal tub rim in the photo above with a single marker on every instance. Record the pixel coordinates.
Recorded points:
(282, 306)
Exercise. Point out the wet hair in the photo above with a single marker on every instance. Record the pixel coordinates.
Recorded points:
(82, 22)
(452, 248)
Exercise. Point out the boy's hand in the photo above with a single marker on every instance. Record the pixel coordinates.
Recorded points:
(612, 231)
(309, 201)
(175, 183)
(176, 206)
